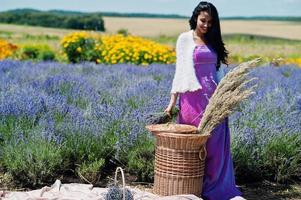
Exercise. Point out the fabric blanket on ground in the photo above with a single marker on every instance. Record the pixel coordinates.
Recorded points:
(76, 191)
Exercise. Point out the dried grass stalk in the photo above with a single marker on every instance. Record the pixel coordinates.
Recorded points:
(229, 93)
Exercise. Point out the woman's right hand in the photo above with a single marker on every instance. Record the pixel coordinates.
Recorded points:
(172, 103)
(168, 110)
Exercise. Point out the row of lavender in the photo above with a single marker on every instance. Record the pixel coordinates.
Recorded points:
(81, 120)
(266, 129)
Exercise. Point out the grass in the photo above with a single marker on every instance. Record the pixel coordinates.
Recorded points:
(247, 45)
(24, 35)
(270, 191)
(247, 38)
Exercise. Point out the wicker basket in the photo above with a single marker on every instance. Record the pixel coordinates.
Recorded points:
(179, 159)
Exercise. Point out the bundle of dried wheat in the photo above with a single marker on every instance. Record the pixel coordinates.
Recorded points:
(229, 93)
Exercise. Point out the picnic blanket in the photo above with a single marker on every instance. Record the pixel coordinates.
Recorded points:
(77, 191)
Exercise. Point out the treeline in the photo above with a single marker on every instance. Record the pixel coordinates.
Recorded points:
(143, 15)
(265, 18)
(73, 20)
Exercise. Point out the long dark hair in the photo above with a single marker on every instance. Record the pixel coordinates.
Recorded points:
(213, 36)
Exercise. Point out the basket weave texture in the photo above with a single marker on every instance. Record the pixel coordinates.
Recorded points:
(179, 159)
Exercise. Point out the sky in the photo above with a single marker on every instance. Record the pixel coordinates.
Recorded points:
(226, 8)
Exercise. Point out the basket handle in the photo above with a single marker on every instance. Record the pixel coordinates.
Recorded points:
(123, 182)
(203, 153)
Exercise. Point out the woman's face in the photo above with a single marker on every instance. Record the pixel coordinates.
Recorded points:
(204, 22)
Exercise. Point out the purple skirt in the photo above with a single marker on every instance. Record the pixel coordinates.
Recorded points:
(219, 179)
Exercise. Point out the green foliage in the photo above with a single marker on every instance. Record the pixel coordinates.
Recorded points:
(123, 31)
(234, 58)
(36, 52)
(278, 160)
(83, 49)
(54, 19)
(256, 39)
(90, 170)
(47, 55)
(6, 34)
(140, 159)
(282, 158)
(86, 22)
(244, 162)
(31, 161)
(41, 37)
(11, 124)
(29, 52)
(89, 147)
(6, 180)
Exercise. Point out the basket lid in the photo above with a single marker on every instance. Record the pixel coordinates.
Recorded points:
(172, 128)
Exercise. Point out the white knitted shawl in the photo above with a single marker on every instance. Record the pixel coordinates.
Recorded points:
(185, 78)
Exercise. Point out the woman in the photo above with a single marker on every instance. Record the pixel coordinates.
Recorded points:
(200, 53)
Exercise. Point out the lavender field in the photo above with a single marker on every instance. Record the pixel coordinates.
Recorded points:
(83, 120)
